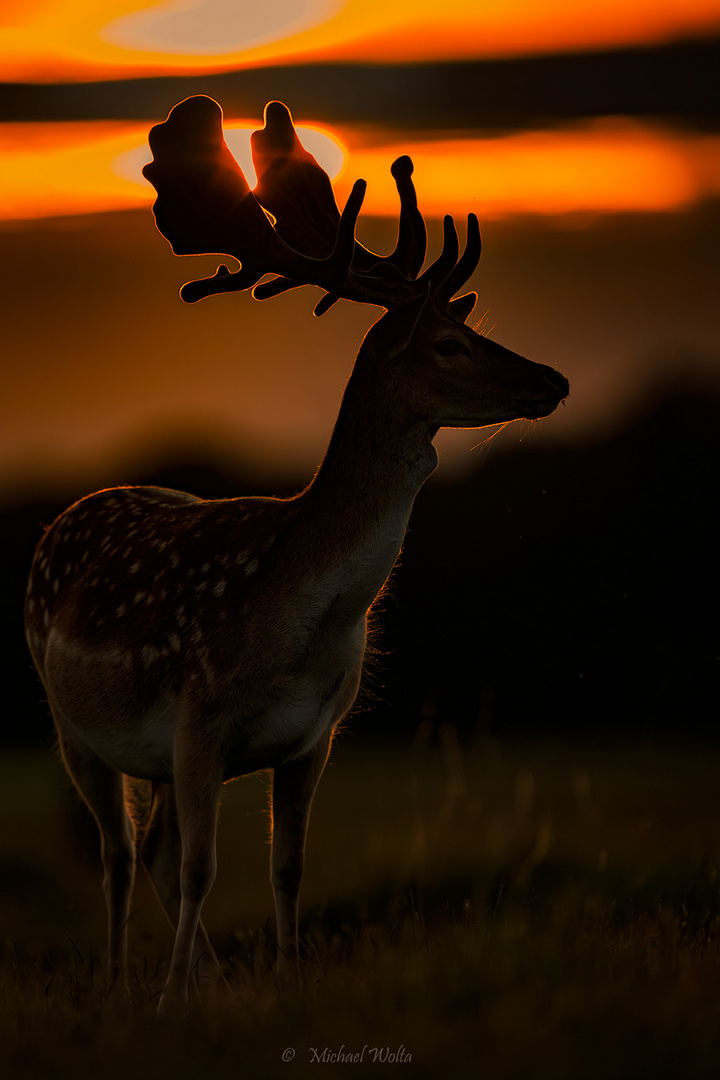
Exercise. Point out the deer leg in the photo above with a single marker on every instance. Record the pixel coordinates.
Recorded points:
(294, 785)
(198, 780)
(101, 787)
(161, 854)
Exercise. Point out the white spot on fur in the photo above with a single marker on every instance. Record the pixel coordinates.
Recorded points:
(149, 655)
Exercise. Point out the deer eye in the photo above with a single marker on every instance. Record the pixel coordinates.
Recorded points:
(451, 346)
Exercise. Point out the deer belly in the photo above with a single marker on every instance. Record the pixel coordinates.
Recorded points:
(144, 751)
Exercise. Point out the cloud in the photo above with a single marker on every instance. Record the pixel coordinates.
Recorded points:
(215, 27)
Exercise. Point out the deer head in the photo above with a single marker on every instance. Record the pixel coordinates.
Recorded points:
(290, 226)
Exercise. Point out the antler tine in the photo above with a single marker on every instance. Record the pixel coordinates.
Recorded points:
(409, 253)
(446, 260)
(345, 245)
(345, 242)
(334, 272)
(221, 281)
(339, 275)
(324, 304)
(465, 266)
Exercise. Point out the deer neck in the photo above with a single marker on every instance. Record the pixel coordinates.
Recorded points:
(362, 495)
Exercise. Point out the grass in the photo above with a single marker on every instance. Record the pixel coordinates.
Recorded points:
(501, 911)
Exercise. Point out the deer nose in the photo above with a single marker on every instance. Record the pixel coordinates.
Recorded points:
(557, 381)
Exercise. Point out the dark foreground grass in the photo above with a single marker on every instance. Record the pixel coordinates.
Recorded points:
(539, 911)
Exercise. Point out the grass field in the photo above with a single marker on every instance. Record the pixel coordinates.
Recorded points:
(540, 911)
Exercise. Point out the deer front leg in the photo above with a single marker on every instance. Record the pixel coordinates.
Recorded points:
(161, 853)
(198, 781)
(294, 786)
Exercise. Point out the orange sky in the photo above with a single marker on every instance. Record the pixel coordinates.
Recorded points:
(98, 376)
(49, 40)
(67, 168)
(104, 368)
(616, 165)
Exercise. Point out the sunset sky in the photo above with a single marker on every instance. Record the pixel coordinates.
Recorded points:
(495, 102)
(56, 40)
(71, 166)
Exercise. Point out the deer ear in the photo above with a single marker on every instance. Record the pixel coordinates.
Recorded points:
(461, 307)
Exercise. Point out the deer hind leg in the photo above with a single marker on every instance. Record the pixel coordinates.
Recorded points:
(294, 785)
(161, 853)
(101, 787)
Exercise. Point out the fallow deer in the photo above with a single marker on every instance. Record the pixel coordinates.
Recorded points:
(184, 642)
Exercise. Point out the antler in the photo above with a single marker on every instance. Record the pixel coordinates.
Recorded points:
(290, 224)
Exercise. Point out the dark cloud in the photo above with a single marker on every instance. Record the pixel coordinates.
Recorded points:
(677, 81)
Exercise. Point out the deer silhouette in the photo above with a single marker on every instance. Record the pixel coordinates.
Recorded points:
(183, 642)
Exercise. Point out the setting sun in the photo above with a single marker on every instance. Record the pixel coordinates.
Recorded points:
(612, 166)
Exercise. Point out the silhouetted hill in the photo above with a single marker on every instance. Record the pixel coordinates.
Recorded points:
(568, 590)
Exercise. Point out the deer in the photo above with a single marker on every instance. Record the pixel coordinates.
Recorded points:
(184, 642)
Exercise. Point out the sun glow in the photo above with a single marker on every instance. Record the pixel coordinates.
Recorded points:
(82, 39)
(609, 166)
(49, 170)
